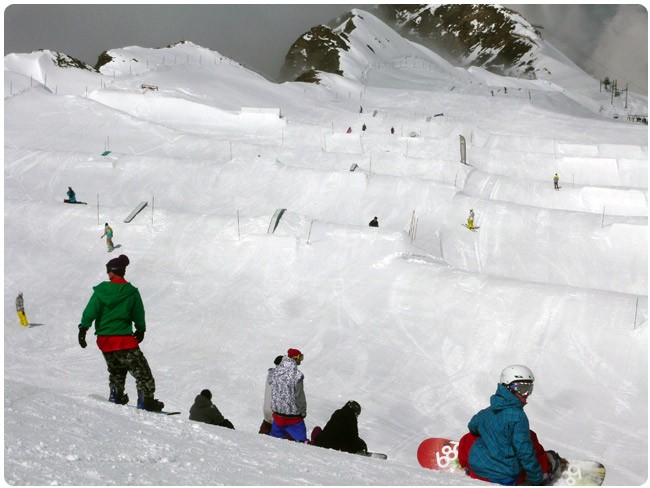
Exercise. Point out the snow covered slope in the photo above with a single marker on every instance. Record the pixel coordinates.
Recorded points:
(415, 326)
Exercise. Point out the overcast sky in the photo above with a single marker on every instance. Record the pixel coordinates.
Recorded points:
(605, 40)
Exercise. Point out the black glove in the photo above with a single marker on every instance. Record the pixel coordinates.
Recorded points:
(139, 335)
(82, 336)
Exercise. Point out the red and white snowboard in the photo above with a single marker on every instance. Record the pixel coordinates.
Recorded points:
(442, 455)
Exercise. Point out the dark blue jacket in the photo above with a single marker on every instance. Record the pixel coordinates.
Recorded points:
(504, 447)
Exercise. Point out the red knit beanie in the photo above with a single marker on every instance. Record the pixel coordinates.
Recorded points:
(294, 354)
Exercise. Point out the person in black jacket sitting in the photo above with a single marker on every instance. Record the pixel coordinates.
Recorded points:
(205, 411)
(341, 431)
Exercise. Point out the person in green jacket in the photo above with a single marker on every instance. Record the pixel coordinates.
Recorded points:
(116, 306)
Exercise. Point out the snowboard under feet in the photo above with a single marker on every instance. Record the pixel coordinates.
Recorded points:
(102, 398)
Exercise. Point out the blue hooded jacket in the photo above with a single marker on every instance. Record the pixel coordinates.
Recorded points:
(504, 447)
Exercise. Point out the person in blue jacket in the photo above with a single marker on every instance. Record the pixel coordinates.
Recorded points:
(500, 447)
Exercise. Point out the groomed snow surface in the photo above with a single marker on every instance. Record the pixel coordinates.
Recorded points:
(415, 326)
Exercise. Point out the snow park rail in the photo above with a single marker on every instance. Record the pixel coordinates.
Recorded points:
(135, 212)
(275, 220)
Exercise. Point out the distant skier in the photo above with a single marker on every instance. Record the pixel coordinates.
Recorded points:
(341, 431)
(20, 309)
(207, 412)
(116, 306)
(349, 131)
(361, 109)
(556, 182)
(500, 447)
(392, 130)
(363, 127)
(374, 222)
(470, 219)
(267, 423)
(72, 196)
(108, 232)
(288, 400)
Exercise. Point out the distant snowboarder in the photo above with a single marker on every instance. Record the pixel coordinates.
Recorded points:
(556, 182)
(392, 130)
(470, 219)
(108, 232)
(349, 131)
(72, 197)
(374, 222)
(363, 127)
(20, 309)
(500, 447)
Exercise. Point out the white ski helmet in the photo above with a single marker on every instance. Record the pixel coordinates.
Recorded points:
(516, 372)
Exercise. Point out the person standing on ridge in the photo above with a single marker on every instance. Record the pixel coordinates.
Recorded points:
(500, 447)
(108, 232)
(116, 306)
(556, 182)
(267, 423)
(341, 431)
(207, 412)
(20, 309)
(288, 401)
(470, 219)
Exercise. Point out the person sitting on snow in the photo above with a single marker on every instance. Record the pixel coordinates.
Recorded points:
(341, 431)
(207, 412)
(500, 447)
(267, 423)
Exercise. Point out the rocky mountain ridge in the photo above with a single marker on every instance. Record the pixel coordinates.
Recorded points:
(492, 37)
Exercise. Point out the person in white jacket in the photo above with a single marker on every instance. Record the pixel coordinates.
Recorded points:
(267, 423)
(288, 400)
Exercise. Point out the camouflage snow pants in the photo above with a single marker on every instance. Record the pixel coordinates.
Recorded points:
(130, 361)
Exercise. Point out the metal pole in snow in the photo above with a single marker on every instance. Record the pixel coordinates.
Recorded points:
(636, 309)
(602, 222)
(310, 226)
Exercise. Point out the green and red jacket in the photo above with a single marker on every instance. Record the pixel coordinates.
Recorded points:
(115, 307)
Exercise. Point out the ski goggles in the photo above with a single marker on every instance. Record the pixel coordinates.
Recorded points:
(524, 388)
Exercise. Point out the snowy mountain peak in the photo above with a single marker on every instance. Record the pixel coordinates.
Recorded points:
(44, 60)
(359, 40)
(492, 37)
(139, 58)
